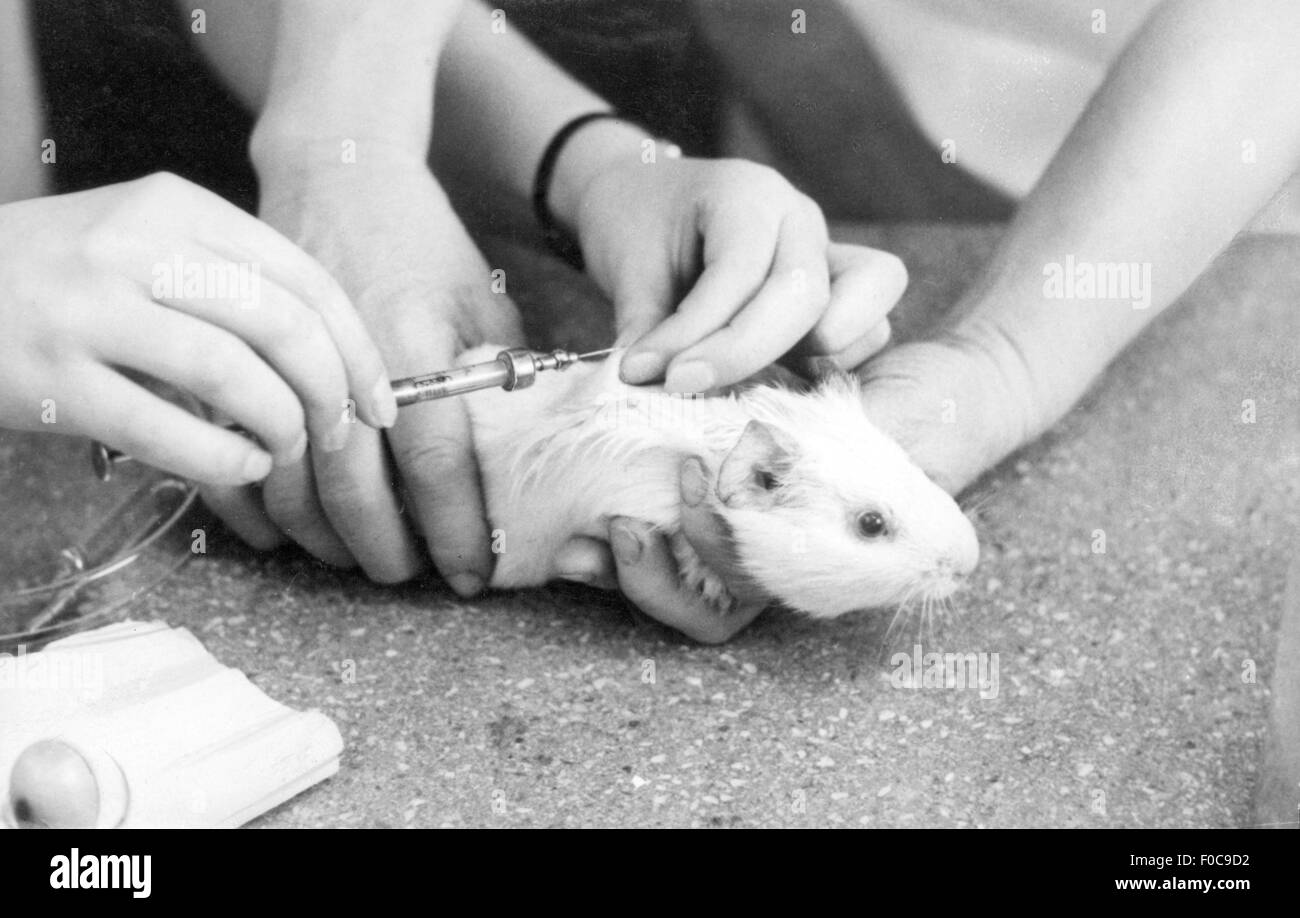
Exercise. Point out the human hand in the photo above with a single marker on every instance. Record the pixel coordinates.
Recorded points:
(958, 404)
(160, 278)
(753, 253)
(385, 229)
(638, 561)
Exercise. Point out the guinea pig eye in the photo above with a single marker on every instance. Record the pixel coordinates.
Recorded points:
(765, 480)
(871, 524)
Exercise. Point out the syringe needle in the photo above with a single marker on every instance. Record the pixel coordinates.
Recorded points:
(592, 355)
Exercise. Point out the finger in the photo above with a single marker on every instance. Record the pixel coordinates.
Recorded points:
(240, 508)
(289, 495)
(433, 448)
(648, 576)
(738, 254)
(242, 238)
(642, 300)
(852, 357)
(152, 430)
(711, 537)
(285, 331)
(212, 364)
(356, 489)
(865, 284)
(589, 561)
(783, 311)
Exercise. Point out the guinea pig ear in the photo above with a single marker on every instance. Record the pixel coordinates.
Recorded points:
(751, 473)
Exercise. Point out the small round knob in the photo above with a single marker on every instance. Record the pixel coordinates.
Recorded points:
(55, 785)
(521, 368)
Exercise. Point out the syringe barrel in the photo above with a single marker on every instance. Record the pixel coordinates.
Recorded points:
(446, 383)
(513, 369)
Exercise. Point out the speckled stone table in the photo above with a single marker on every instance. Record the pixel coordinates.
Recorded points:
(1121, 699)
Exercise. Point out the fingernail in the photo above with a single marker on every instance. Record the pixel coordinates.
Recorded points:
(691, 376)
(466, 584)
(384, 402)
(577, 576)
(295, 452)
(641, 367)
(257, 466)
(694, 483)
(625, 544)
(337, 438)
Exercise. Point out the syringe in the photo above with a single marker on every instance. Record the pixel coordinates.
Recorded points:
(516, 368)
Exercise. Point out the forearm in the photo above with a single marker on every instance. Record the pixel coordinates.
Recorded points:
(1156, 173)
(500, 102)
(353, 71)
(22, 173)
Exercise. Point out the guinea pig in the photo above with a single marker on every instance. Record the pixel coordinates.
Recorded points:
(828, 515)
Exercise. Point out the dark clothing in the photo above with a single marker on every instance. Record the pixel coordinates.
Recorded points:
(127, 94)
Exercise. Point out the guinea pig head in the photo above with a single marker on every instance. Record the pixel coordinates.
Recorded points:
(829, 515)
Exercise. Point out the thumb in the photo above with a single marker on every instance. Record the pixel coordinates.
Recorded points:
(586, 560)
(641, 301)
(711, 537)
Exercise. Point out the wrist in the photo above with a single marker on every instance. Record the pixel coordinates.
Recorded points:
(318, 110)
(1025, 413)
(594, 148)
(280, 152)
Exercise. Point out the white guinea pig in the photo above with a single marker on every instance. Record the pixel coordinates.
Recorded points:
(828, 514)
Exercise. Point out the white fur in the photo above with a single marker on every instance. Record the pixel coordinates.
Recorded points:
(561, 458)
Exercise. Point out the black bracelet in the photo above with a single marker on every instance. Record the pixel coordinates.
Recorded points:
(560, 242)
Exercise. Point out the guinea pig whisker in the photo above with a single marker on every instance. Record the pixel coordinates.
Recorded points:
(916, 621)
(973, 505)
(886, 642)
(943, 611)
(902, 612)
(919, 617)
(899, 610)
(926, 623)
(927, 619)
(936, 609)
